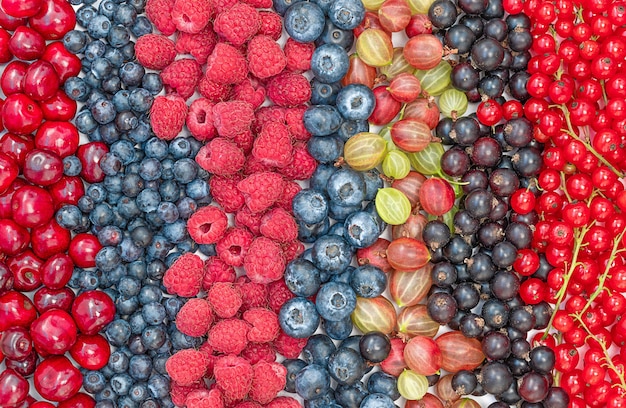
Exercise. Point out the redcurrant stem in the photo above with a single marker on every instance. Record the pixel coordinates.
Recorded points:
(569, 199)
(606, 99)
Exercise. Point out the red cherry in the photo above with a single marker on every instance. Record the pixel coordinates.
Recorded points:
(21, 114)
(56, 378)
(41, 80)
(13, 237)
(49, 239)
(41, 404)
(92, 310)
(16, 310)
(43, 167)
(80, 400)
(54, 19)
(13, 388)
(8, 171)
(68, 190)
(59, 137)
(26, 269)
(16, 146)
(12, 79)
(32, 206)
(16, 343)
(5, 48)
(26, 367)
(90, 155)
(58, 107)
(47, 299)
(6, 282)
(57, 271)
(21, 8)
(9, 22)
(54, 332)
(7, 196)
(64, 62)
(27, 44)
(83, 250)
(91, 352)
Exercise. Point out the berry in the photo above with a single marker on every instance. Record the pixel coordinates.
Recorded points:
(232, 118)
(200, 119)
(290, 190)
(233, 375)
(255, 352)
(265, 57)
(298, 55)
(216, 270)
(283, 402)
(234, 246)
(225, 298)
(229, 336)
(187, 366)
(191, 16)
(295, 124)
(207, 225)
(250, 91)
(155, 51)
(160, 14)
(261, 190)
(204, 398)
(279, 293)
(194, 318)
(167, 116)
(252, 221)
(264, 261)
(289, 89)
(279, 225)
(272, 146)
(238, 24)
(226, 65)
(271, 24)
(264, 323)
(226, 193)
(252, 294)
(182, 76)
(184, 277)
(214, 91)
(221, 156)
(268, 380)
(199, 45)
(287, 346)
(302, 166)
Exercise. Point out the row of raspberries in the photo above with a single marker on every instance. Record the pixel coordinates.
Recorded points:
(220, 72)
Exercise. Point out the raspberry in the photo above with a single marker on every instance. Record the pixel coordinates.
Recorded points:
(200, 119)
(155, 51)
(179, 393)
(287, 346)
(292, 250)
(213, 91)
(228, 336)
(191, 16)
(255, 352)
(268, 114)
(205, 399)
(271, 24)
(221, 156)
(254, 165)
(216, 270)
(248, 404)
(290, 189)
(252, 221)
(167, 116)
(273, 145)
(223, 5)
(264, 323)
(278, 294)
(199, 45)
(289, 89)
(207, 225)
(232, 118)
(251, 91)
(184, 277)
(279, 225)
(186, 366)
(283, 402)
(298, 55)
(302, 166)
(238, 24)
(261, 190)
(252, 294)
(211, 358)
(182, 76)
(234, 245)
(269, 379)
(295, 123)
(244, 141)
(233, 376)
(265, 57)
(159, 12)
(225, 192)
(194, 318)
(264, 261)
(263, 4)
(226, 65)
(225, 298)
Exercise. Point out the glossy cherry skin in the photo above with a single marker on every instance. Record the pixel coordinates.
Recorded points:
(57, 271)
(25, 367)
(9, 171)
(41, 80)
(41, 404)
(92, 310)
(13, 388)
(89, 155)
(5, 48)
(26, 269)
(16, 146)
(16, 343)
(6, 280)
(32, 206)
(68, 190)
(16, 310)
(21, 114)
(54, 19)
(59, 107)
(13, 237)
(80, 400)
(49, 239)
(27, 44)
(5, 198)
(91, 352)
(12, 79)
(56, 378)
(64, 62)
(43, 167)
(59, 137)
(54, 332)
(10, 23)
(21, 8)
(83, 250)
(47, 299)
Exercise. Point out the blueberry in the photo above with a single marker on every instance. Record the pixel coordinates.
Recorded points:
(183, 341)
(346, 187)
(373, 182)
(312, 382)
(350, 128)
(150, 169)
(350, 396)
(75, 41)
(99, 26)
(125, 151)
(68, 216)
(126, 121)
(141, 26)
(337, 228)
(346, 366)
(335, 301)
(326, 400)
(355, 102)
(115, 57)
(325, 149)
(125, 15)
(76, 89)
(153, 337)
(281, 6)
(362, 230)
(322, 120)
(304, 21)
(368, 281)
(323, 4)
(131, 73)
(140, 100)
(338, 330)
(150, 293)
(139, 392)
(335, 35)
(128, 51)
(309, 233)
(158, 386)
(293, 366)
(169, 190)
(175, 231)
(346, 14)
(317, 350)
(94, 382)
(129, 286)
(167, 211)
(152, 82)
(320, 177)
(127, 306)
(380, 382)
(103, 111)
(299, 318)
(180, 148)
(137, 323)
(310, 206)
(106, 398)
(101, 215)
(302, 277)
(332, 253)
(156, 148)
(330, 63)
(118, 332)
(198, 190)
(118, 361)
(156, 270)
(107, 259)
(159, 248)
(324, 94)
(85, 14)
(371, 209)
(148, 200)
(121, 383)
(153, 313)
(140, 367)
(185, 170)
(172, 306)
